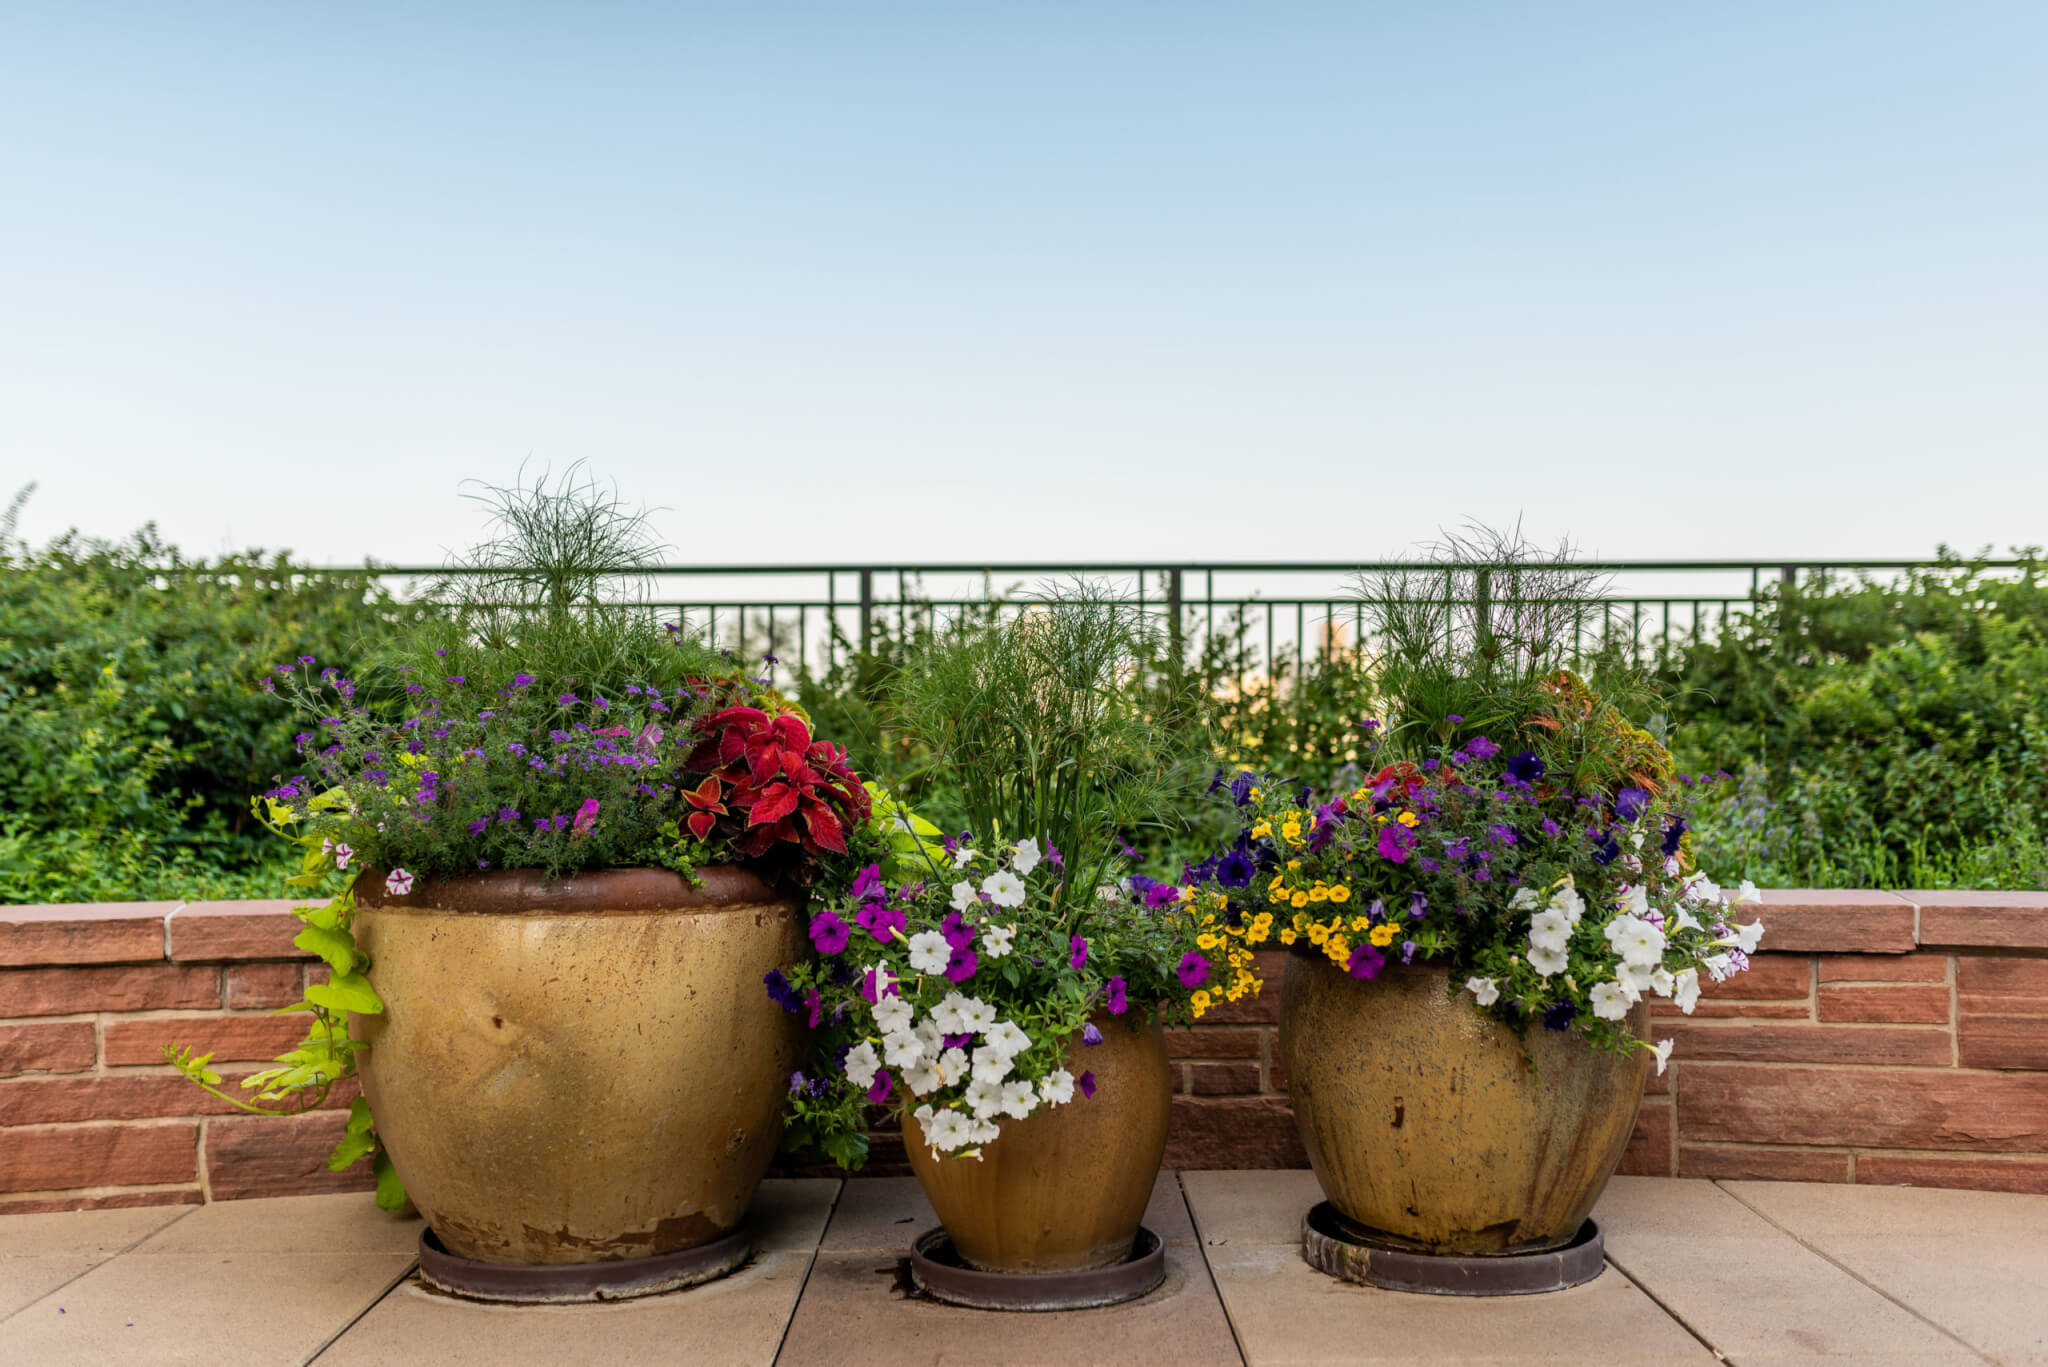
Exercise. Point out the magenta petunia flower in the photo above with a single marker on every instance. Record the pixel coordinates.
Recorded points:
(829, 933)
(1366, 962)
(1193, 970)
(878, 1091)
(1079, 955)
(1087, 1085)
(1395, 842)
(961, 966)
(1113, 996)
(586, 817)
(879, 919)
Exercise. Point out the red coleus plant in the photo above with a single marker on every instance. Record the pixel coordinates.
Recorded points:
(766, 776)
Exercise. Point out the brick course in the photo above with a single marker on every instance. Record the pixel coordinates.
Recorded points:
(1879, 1037)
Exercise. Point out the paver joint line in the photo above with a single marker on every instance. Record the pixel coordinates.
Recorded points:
(1639, 1284)
(810, 1265)
(1215, 1287)
(118, 1253)
(357, 1318)
(1856, 1276)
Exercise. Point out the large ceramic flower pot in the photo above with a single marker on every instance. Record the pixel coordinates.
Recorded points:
(1441, 1129)
(1064, 1189)
(579, 1070)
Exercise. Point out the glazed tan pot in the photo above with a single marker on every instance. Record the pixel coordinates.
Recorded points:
(1064, 1189)
(1425, 1122)
(583, 1070)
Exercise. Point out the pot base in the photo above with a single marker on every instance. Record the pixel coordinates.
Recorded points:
(1334, 1246)
(568, 1283)
(937, 1269)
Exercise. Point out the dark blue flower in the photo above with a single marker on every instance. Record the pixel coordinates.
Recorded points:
(1673, 834)
(1606, 849)
(1525, 767)
(1631, 803)
(780, 992)
(1236, 869)
(1560, 1016)
(1241, 789)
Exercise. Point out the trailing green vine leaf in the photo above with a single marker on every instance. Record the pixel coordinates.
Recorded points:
(305, 1075)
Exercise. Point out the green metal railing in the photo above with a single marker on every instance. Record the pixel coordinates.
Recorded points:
(807, 615)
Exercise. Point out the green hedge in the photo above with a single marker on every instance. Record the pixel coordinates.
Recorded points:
(1875, 735)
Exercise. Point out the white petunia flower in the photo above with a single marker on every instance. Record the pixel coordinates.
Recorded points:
(1485, 989)
(995, 940)
(921, 1078)
(963, 896)
(1005, 1035)
(1610, 1001)
(1550, 930)
(1004, 888)
(1636, 901)
(929, 952)
(1662, 1049)
(1027, 856)
(1567, 900)
(1661, 981)
(1019, 1100)
(1683, 920)
(1635, 838)
(978, 1014)
(992, 1065)
(948, 1016)
(1058, 1087)
(1636, 940)
(1747, 936)
(862, 1064)
(1685, 990)
(952, 1066)
(964, 856)
(1523, 900)
(883, 982)
(1639, 978)
(947, 1130)
(1720, 968)
(1703, 889)
(985, 1097)
(893, 1014)
(902, 1049)
(930, 1036)
(1546, 961)
(983, 1132)
(1746, 892)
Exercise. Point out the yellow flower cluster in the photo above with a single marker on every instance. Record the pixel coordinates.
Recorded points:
(1231, 945)
(1311, 900)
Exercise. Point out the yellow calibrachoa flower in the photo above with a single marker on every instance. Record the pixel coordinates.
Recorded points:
(1200, 1001)
(1340, 893)
(1382, 936)
(1206, 941)
(1262, 830)
(1291, 832)
(1300, 899)
(1318, 893)
(1287, 937)
(1409, 819)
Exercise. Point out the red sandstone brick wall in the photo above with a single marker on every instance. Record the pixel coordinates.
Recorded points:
(90, 1115)
(1883, 1037)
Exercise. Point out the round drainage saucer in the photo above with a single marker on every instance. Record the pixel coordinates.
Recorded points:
(618, 1280)
(1330, 1245)
(938, 1270)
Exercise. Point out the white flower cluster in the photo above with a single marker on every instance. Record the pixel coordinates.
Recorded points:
(1638, 937)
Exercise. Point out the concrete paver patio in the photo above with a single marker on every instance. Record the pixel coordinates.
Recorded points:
(1743, 1272)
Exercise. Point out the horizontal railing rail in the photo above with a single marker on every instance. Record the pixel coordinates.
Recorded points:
(1278, 611)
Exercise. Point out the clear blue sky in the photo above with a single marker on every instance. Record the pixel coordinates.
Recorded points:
(1102, 280)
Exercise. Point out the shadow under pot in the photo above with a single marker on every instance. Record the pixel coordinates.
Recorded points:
(1435, 1128)
(1065, 1188)
(579, 1070)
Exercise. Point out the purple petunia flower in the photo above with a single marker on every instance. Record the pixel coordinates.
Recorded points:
(1631, 803)
(1086, 1082)
(879, 919)
(1090, 1035)
(1078, 953)
(817, 1007)
(1236, 869)
(1395, 843)
(1113, 996)
(829, 933)
(1366, 962)
(878, 1090)
(586, 816)
(961, 966)
(779, 990)
(958, 933)
(1193, 970)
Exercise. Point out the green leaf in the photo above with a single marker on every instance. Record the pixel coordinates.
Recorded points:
(347, 992)
(357, 1141)
(337, 947)
(390, 1191)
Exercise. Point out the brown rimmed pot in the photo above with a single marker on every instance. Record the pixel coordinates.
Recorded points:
(578, 1070)
(1436, 1128)
(1064, 1189)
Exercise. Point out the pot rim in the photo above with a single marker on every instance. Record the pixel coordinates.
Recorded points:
(515, 892)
